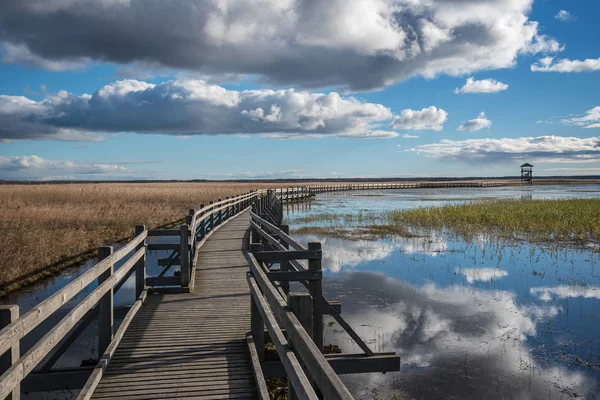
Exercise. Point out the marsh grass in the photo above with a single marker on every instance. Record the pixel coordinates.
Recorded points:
(562, 220)
(44, 225)
(535, 220)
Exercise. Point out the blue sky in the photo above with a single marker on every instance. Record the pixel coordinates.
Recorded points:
(131, 89)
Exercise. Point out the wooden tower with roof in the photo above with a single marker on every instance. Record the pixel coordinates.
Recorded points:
(527, 173)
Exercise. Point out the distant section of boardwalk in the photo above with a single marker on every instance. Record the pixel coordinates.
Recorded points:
(191, 346)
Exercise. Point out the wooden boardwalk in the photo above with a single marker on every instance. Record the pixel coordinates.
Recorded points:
(193, 345)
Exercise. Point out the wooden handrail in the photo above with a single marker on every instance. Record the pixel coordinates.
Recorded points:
(26, 323)
(19, 370)
(290, 363)
(322, 373)
(297, 266)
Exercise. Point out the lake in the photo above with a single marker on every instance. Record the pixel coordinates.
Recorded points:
(483, 318)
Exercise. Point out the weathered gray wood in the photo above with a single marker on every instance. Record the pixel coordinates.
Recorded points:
(164, 246)
(184, 255)
(165, 262)
(261, 384)
(315, 288)
(140, 267)
(276, 256)
(344, 364)
(29, 360)
(15, 331)
(163, 232)
(9, 314)
(274, 230)
(163, 281)
(285, 264)
(302, 307)
(295, 374)
(297, 276)
(192, 344)
(328, 382)
(105, 306)
(94, 379)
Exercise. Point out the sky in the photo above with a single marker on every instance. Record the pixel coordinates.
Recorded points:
(231, 89)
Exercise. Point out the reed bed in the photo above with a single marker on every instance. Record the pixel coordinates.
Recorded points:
(43, 225)
(535, 220)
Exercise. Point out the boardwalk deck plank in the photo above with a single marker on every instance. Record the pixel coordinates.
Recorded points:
(191, 345)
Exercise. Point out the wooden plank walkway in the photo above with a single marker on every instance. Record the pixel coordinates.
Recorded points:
(191, 346)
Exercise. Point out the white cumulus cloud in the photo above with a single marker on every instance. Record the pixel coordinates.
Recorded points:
(591, 119)
(564, 15)
(186, 107)
(479, 123)
(481, 86)
(548, 64)
(492, 150)
(430, 118)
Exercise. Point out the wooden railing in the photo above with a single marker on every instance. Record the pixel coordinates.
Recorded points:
(198, 227)
(301, 315)
(99, 301)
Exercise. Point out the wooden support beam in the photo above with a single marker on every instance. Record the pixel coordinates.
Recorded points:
(163, 281)
(56, 380)
(9, 314)
(165, 262)
(296, 276)
(163, 232)
(276, 256)
(345, 364)
(105, 305)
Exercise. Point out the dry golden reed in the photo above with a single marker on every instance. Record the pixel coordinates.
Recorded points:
(44, 224)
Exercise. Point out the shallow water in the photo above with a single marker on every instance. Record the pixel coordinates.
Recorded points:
(483, 318)
(469, 319)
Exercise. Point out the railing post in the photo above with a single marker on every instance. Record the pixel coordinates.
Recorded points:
(212, 217)
(140, 267)
(192, 240)
(184, 255)
(315, 288)
(202, 222)
(285, 265)
(220, 218)
(301, 305)
(105, 305)
(9, 314)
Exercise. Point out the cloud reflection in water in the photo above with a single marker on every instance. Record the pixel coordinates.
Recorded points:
(455, 342)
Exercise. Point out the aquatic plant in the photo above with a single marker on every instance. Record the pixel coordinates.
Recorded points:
(539, 220)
